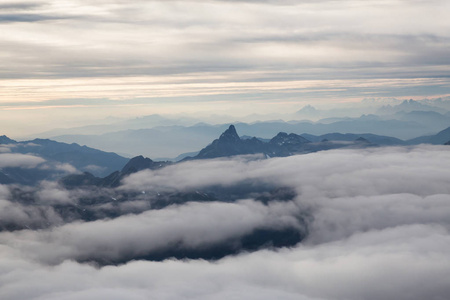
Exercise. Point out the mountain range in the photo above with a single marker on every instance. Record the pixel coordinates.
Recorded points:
(167, 142)
(100, 168)
(134, 165)
(228, 144)
(53, 159)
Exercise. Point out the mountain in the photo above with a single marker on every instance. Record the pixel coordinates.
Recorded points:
(53, 160)
(348, 137)
(407, 106)
(308, 111)
(170, 141)
(144, 122)
(134, 165)
(284, 144)
(229, 143)
(6, 140)
(83, 158)
(139, 163)
(438, 139)
(163, 141)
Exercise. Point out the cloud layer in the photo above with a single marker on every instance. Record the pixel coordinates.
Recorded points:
(378, 228)
(16, 160)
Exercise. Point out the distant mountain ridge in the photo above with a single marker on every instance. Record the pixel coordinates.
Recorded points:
(170, 141)
(134, 165)
(228, 144)
(82, 158)
(407, 106)
(440, 138)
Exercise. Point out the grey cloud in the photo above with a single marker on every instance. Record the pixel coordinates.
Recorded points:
(197, 42)
(9, 18)
(379, 230)
(340, 173)
(371, 266)
(50, 193)
(5, 149)
(19, 5)
(190, 226)
(12, 160)
(15, 216)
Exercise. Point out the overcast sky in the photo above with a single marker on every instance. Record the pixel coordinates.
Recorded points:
(125, 58)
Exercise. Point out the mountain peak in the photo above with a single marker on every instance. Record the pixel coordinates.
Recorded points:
(137, 163)
(6, 140)
(282, 138)
(308, 109)
(230, 135)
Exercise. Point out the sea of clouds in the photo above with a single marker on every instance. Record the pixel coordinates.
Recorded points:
(376, 224)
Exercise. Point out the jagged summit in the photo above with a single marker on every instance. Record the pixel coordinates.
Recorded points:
(230, 135)
(228, 144)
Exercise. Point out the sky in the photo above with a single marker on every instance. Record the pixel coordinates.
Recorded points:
(68, 62)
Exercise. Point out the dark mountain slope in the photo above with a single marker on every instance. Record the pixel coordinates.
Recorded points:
(377, 139)
(53, 155)
(229, 143)
(438, 139)
(134, 165)
(83, 158)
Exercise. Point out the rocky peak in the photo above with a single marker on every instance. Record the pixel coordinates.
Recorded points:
(138, 163)
(230, 135)
(283, 138)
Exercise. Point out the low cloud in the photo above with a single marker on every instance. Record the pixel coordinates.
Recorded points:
(50, 193)
(190, 226)
(378, 228)
(369, 266)
(329, 174)
(16, 160)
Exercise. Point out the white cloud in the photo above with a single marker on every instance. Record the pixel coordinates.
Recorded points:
(379, 229)
(50, 193)
(190, 226)
(329, 174)
(399, 263)
(16, 160)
